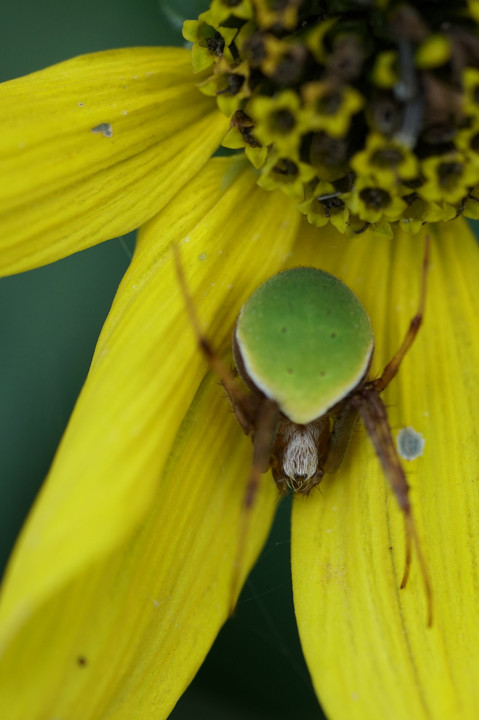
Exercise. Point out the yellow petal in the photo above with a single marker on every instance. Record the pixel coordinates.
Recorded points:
(93, 147)
(366, 642)
(73, 589)
(126, 637)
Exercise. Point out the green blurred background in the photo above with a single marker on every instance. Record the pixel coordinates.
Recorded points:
(49, 322)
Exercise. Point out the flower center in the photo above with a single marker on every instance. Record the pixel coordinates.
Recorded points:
(367, 113)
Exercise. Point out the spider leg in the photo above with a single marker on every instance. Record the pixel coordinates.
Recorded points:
(391, 369)
(244, 406)
(257, 416)
(373, 413)
(263, 440)
(344, 424)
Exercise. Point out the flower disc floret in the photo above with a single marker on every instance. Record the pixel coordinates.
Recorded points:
(386, 161)
(448, 178)
(373, 99)
(372, 203)
(323, 204)
(278, 122)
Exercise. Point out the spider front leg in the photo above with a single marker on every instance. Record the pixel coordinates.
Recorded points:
(244, 407)
(391, 369)
(345, 421)
(373, 414)
(368, 403)
(257, 416)
(263, 440)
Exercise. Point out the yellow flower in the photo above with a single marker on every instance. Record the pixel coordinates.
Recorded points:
(122, 576)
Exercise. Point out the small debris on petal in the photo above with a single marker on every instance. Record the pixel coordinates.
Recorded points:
(410, 443)
(104, 128)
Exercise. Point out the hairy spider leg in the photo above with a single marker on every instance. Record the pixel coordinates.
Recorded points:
(263, 439)
(391, 369)
(372, 410)
(343, 426)
(257, 417)
(373, 414)
(244, 407)
(347, 416)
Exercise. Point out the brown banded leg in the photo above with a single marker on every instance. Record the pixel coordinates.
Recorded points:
(373, 413)
(263, 440)
(244, 406)
(346, 419)
(344, 424)
(257, 417)
(391, 369)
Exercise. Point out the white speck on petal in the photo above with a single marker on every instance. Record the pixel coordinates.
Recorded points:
(124, 112)
(410, 443)
(104, 128)
(202, 256)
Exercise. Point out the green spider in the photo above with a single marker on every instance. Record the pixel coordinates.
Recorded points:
(303, 346)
